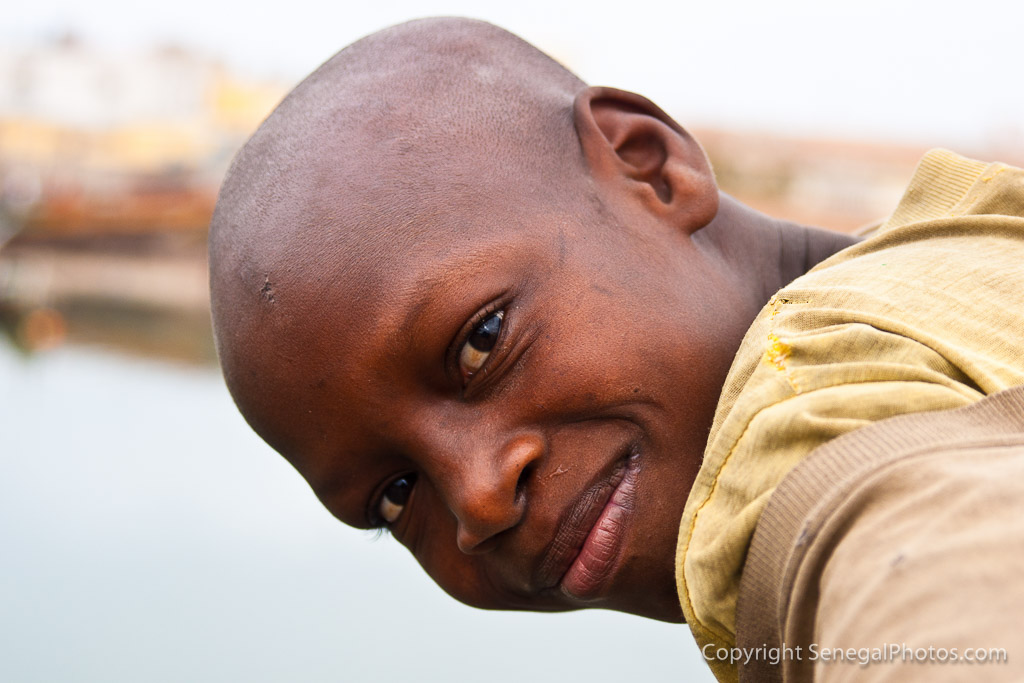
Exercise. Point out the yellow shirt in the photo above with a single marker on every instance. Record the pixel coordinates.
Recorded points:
(927, 314)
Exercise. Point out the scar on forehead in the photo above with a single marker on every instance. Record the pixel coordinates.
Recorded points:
(267, 290)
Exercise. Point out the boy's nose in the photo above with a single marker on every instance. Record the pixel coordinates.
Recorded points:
(487, 495)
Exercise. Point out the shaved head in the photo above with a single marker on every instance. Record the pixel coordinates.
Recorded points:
(403, 131)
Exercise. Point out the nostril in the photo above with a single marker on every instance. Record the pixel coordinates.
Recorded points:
(524, 476)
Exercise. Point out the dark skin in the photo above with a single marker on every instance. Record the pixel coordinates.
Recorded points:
(523, 392)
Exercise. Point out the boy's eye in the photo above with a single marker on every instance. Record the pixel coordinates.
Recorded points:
(481, 341)
(395, 496)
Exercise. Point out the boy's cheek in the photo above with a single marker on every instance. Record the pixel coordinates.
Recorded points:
(461, 576)
(428, 529)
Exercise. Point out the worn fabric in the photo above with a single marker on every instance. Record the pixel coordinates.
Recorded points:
(927, 314)
(894, 553)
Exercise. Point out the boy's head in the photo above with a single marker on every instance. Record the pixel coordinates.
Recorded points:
(466, 296)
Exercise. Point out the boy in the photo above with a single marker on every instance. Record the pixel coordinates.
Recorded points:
(492, 310)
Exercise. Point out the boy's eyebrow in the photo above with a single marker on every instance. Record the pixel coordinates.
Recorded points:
(424, 291)
(412, 317)
(329, 485)
(413, 320)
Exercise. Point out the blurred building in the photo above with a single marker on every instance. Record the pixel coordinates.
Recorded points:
(96, 142)
(836, 184)
(109, 168)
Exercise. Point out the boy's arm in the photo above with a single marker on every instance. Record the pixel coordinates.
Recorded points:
(896, 553)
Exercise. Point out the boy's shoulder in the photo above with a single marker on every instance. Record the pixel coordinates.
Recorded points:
(932, 296)
(920, 316)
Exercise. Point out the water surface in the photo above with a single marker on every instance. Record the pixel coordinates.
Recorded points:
(147, 535)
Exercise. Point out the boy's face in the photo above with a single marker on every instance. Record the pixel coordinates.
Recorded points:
(522, 396)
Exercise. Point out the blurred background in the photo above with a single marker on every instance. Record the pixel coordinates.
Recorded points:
(146, 534)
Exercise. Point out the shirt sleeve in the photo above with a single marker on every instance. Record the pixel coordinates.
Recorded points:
(916, 576)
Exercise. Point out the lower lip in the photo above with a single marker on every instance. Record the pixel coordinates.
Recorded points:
(596, 560)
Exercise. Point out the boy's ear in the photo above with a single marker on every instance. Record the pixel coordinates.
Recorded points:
(632, 144)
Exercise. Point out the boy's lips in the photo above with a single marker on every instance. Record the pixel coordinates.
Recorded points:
(582, 554)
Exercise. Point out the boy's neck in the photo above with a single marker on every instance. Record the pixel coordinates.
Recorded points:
(766, 253)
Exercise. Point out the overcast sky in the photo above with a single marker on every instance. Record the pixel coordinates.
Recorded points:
(935, 73)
